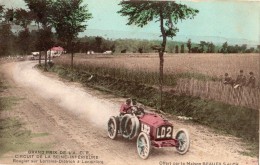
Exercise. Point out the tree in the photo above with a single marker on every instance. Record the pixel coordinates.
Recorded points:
(24, 41)
(195, 49)
(176, 49)
(98, 44)
(182, 48)
(202, 46)
(250, 50)
(189, 45)
(5, 39)
(39, 12)
(211, 47)
(243, 48)
(67, 18)
(44, 41)
(224, 48)
(140, 50)
(113, 48)
(258, 48)
(167, 13)
(237, 49)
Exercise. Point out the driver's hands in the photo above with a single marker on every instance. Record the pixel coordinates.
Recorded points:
(129, 110)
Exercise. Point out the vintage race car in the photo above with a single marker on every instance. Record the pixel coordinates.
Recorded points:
(150, 129)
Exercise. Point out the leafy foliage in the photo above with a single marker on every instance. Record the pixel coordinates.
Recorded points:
(24, 41)
(45, 39)
(67, 18)
(39, 10)
(5, 39)
(1, 12)
(22, 17)
(8, 15)
(141, 13)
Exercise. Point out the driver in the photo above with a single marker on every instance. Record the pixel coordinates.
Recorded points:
(125, 106)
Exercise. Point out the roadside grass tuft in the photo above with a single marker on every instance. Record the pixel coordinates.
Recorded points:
(13, 137)
(3, 86)
(7, 102)
(251, 149)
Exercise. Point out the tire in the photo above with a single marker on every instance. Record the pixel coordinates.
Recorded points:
(132, 126)
(136, 129)
(123, 124)
(112, 127)
(182, 136)
(143, 145)
(129, 125)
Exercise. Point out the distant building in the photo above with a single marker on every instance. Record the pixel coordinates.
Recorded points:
(91, 52)
(108, 52)
(55, 51)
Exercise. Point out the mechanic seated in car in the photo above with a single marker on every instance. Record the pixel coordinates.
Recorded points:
(139, 108)
(125, 106)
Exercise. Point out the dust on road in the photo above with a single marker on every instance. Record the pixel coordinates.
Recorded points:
(71, 97)
(75, 119)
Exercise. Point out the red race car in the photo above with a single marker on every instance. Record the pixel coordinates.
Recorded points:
(150, 129)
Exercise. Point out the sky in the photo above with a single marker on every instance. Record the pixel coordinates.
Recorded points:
(218, 18)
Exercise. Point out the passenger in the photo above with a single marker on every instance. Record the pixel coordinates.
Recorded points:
(139, 108)
(251, 80)
(125, 106)
(134, 102)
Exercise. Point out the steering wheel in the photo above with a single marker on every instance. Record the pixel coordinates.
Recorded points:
(129, 110)
(138, 111)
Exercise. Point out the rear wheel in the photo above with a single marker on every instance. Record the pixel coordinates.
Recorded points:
(143, 145)
(112, 127)
(183, 139)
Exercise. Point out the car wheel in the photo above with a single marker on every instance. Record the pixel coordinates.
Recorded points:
(182, 136)
(112, 127)
(143, 145)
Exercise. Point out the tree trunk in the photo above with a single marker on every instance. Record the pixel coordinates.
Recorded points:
(45, 62)
(161, 79)
(72, 54)
(71, 46)
(40, 58)
(49, 56)
(161, 52)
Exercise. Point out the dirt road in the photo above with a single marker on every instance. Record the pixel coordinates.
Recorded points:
(75, 119)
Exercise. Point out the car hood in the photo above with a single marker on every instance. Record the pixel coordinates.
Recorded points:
(154, 120)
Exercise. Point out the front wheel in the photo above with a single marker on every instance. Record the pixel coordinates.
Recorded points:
(183, 139)
(143, 145)
(112, 127)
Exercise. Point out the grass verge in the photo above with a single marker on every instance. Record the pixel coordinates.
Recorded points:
(13, 137)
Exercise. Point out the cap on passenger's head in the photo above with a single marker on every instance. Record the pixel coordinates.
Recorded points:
(134, 101)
